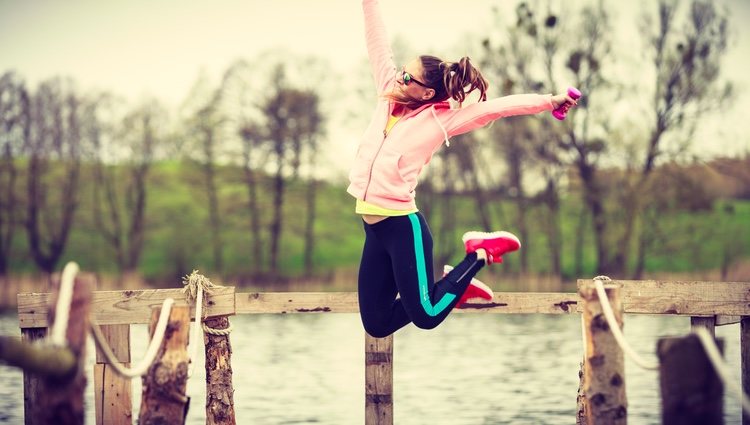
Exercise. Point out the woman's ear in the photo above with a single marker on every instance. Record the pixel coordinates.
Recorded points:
(428, 94)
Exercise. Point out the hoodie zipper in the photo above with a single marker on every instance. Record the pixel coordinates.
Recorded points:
(372, 164)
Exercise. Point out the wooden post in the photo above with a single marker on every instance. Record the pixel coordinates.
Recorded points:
(60, 400)
(164, 401)
(581, 400)
(706, 322)
(219, 390)
(31, 381)
(378, 380)
(112, 392)
(604, 366)
(691, 392)
(745, 361)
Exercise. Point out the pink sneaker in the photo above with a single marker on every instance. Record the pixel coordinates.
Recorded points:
(476, 289)
(496, 244)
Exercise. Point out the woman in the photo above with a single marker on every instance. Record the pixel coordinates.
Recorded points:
(412, 120)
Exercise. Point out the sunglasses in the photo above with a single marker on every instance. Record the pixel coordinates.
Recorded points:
(408, 79)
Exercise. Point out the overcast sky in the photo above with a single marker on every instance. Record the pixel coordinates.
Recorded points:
(159, 47)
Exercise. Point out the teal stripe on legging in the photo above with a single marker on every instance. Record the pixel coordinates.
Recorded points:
(424, 290)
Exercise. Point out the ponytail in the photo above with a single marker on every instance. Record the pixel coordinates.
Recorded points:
(453, 80)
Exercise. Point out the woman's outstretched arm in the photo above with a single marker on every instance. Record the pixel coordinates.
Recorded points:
(480, 114)
(378, 47)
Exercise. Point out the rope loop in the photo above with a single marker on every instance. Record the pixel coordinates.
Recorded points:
(151, 351)
(615, 327)
(217, 332)
(59, 329)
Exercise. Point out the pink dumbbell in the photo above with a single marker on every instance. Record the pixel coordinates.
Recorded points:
(562, 110)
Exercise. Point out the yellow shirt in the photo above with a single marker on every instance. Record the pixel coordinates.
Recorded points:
(363, 207)
(392, 120)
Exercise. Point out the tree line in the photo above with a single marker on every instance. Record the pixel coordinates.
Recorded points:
(270, 118)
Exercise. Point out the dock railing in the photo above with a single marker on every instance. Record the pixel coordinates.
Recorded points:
(707, 304)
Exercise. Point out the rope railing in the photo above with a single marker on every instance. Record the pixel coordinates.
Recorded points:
(60, 326)
(195, 285)
(151, 351)
(707, 341)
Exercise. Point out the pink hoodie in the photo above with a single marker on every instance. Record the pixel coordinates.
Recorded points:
(386, 168)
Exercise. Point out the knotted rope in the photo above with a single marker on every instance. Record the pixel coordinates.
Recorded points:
(194, 286)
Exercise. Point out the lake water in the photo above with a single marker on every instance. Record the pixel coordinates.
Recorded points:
(473, 369)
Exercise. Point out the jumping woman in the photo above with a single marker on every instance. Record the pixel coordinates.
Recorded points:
(412, 120)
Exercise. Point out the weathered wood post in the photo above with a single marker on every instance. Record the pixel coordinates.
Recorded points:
(219, 390)
(745, 361)
(691, 391)
(581, 399)
(706, 322)
(164, 401)
(31, 381)
(378, 380)
(112, 392)
(603, 366)
(60, 400)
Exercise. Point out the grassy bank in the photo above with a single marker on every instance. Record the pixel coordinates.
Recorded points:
(178, 236)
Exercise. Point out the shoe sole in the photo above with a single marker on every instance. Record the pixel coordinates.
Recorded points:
(474, 282)
(490, 235)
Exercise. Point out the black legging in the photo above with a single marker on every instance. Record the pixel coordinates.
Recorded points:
(397, 259)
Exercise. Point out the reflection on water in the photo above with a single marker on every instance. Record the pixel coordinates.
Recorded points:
(473, 369)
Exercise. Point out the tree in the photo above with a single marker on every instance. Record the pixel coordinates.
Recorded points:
(293, 117)
(242, 117)
(54, 148)
(120, 189)
(530, 147)
(204, 146)
(687, 64)
(14, 125)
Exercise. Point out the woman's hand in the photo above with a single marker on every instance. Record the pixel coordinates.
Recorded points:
(561, 99)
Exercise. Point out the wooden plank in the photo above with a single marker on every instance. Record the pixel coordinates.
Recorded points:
(525, 303)
(112, 392)
(727, 320)
(346, 302)
(684, 298)
(113, 398)
(647, 297)
(297, 302)
(125, 307)
(118, 338)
